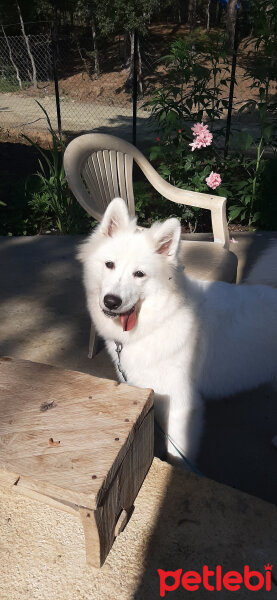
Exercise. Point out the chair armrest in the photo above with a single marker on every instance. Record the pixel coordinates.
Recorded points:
(216, 204)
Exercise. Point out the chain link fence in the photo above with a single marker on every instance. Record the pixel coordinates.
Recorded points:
(25, 75)
(15, 63)
(85, 101)
(60, 73)
(90, 102)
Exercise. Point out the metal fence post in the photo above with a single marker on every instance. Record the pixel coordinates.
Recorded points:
(56, 81)
(232, 84)
(135, 88)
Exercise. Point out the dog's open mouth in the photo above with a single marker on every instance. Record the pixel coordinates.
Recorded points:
(128, 319)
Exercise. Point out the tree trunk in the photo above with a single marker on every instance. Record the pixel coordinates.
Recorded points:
(140, 86)
(219, 14)
(231, 21)
(126, 46)
(192, 13)
(95, 48)
(11, 59)
(213, 12)
(57, 19)
(34, 75)
(179, 13)
(86, 66)
(129, 81)
(208, 15)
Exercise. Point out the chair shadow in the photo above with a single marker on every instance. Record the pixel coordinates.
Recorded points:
(201, 522)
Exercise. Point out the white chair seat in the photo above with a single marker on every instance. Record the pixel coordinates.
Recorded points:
(208, 261)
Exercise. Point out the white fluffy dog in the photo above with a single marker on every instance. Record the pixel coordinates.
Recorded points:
(188, 340)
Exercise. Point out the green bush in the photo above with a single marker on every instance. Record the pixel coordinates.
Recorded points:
(191, 93)
(43, 202)
(51, 202)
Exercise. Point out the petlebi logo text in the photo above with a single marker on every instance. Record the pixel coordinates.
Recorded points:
(215, 580)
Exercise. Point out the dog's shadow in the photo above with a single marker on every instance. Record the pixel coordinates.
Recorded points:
(236, 446)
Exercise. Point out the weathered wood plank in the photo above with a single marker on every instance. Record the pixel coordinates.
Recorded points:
(95, 421)
(120, 496)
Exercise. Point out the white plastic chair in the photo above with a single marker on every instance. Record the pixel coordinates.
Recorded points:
(99, 167)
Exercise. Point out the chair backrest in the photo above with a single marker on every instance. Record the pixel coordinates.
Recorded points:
(98, 168)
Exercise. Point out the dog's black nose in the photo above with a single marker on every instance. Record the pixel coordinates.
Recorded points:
(112, 302)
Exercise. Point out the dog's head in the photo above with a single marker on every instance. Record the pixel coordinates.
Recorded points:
(124, 265)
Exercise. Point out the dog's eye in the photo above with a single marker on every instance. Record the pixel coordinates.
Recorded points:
(138, 274)
(109, 264)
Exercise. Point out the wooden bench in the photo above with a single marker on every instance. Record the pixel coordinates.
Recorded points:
(76, 442)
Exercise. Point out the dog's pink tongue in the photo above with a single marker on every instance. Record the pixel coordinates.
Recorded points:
(128, 320)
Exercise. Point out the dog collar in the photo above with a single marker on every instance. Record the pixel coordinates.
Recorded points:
(118, 349)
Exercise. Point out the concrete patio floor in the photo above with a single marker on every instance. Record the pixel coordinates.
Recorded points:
(43, 317)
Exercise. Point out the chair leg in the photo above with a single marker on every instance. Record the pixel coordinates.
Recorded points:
(93, 342)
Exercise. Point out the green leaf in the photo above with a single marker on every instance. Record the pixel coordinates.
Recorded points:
(223, 191)
(248, 105)
(155, 152)
(171, 117)
(234, 212)
(256, 217)
(165, 170)
(268, 131)
(240, 185)
(248, 141)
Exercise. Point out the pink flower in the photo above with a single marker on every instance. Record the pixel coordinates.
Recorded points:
(202, 136)
(197, 143)
(179, 130)
(201, 141)
(199, 128)
(214, 180)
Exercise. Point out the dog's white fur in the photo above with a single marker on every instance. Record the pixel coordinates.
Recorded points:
(192, 340)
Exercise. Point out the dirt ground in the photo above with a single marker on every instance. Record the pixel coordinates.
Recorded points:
(75, 81)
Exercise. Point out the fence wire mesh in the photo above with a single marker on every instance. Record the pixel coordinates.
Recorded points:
(25, 74)
(88, 101)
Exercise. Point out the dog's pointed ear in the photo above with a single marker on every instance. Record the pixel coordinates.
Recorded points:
(116, 217)
(167, 237)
